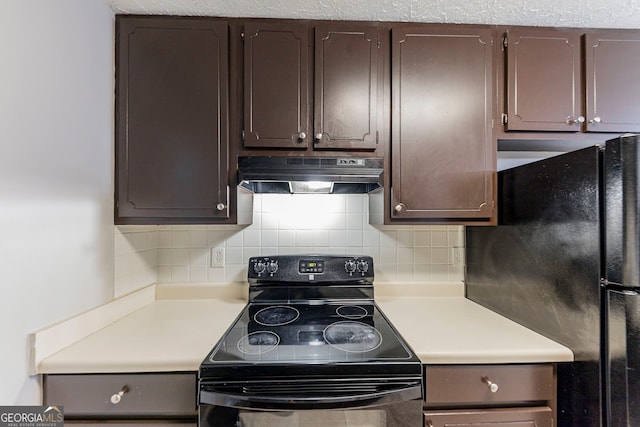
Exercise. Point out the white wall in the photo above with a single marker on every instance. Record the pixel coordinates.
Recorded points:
(56, 191)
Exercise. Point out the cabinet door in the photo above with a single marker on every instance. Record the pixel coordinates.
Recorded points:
(543, 81)
(276, 85)
(346, 82)
(171, 121)
(513, 417)
(443, 156)
(613, 83)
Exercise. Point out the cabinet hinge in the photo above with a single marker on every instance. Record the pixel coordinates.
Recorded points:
(242, 35)
(243, 135)
(505, 119)
(505, 42)
(377, 137)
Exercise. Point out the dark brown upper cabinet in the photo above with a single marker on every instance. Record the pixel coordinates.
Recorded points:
(571, 81)
(172, 121)
(443, 156)
(544, 80)
(276, 85)
(311, 86)
(612, 61)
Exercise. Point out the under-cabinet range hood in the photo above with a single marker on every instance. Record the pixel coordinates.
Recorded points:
(338, 175)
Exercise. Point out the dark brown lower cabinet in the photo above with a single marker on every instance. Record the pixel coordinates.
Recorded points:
(517, 417)
(166, 399)
(490, 395)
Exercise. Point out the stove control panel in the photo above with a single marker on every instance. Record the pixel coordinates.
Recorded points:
(310, 268)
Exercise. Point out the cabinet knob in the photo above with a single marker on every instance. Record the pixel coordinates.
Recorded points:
(575, 120)
(429, 423)
(400, 207)
(319, 136)
(493, 387)
(596, 119)
(302, 136)
(116, 398)
(220, 206)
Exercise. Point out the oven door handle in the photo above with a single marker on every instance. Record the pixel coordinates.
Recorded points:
(341, 401)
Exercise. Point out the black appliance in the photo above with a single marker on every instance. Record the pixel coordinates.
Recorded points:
(342, 175)
(311, 348)
(565, 262)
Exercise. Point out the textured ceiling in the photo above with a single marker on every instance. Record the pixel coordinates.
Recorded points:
(560, 13)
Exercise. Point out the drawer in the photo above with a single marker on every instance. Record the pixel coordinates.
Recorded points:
(455, 385)
(512, 417)
(170, 395)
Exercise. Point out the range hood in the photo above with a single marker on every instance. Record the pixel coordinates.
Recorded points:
(338, 175)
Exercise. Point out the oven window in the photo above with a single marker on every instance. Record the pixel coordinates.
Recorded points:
(397, 414)
(353, 418)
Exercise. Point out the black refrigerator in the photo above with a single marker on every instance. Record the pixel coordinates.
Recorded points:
(565, 261)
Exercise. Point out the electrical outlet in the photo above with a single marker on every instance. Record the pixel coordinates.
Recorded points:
(217, 257)
(457, 256)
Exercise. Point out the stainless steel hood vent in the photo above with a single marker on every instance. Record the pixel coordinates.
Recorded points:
(337, 175)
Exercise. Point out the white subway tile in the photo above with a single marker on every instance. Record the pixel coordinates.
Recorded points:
(439, 238)
(269, 238)
(179, 274)
(337, 238)
(198, 273)
(283, 224)
(233, 255)
(180, 238)
(199, 256)
(198, 238)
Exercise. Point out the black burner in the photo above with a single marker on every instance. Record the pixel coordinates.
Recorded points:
(353, 337)
(277, 315)
(258, 342)
(352, 312)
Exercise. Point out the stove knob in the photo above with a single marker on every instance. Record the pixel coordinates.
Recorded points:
(350, 266)
(259, 267)
(363, 266)
(272, 266)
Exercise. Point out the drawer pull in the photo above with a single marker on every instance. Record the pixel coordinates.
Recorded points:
(116, 398)
(493, 387)
(429, 423)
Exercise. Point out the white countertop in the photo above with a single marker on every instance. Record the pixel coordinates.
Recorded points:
(177, 334)
(455, 330)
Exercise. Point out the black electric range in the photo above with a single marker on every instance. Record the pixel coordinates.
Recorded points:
(313, 316)
(311, 338)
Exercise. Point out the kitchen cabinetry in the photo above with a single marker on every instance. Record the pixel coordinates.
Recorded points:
(546, 89)
(443, 165)
(166, 399)
(279, 80)
(612, 81)
(490, 395)
(172, 121)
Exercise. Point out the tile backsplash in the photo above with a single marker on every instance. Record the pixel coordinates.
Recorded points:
(286, 224)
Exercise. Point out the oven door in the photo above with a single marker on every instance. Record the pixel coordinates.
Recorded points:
(312, 403)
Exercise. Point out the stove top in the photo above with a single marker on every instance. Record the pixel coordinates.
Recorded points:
(310, 316)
